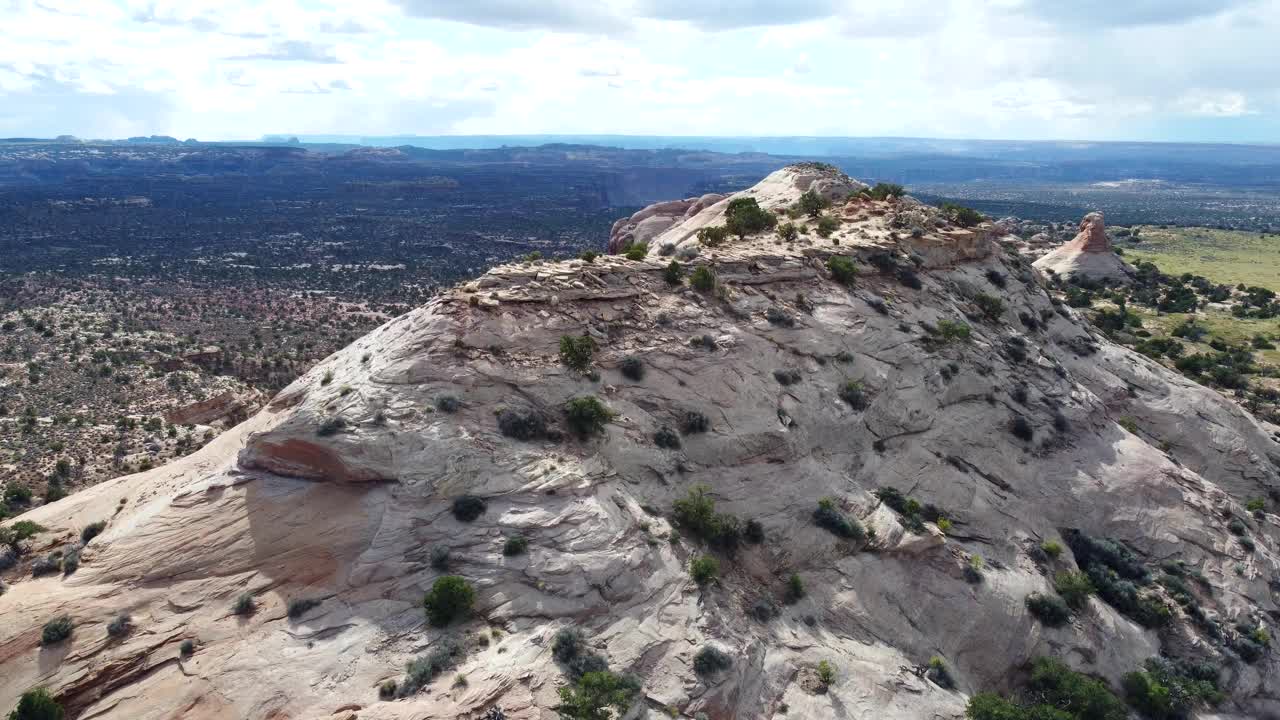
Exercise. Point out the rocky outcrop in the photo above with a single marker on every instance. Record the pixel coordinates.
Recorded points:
(777, 390)
(1088, 254)
(648, 223)
(229, 405)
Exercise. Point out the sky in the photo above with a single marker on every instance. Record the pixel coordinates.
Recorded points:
(1178, 70)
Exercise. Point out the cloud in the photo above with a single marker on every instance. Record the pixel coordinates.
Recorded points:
(48, 103)
(169, 15)
(564, 15)
(952, 68)
(346, 26)
(1108, 14)
(293, 51)
(612, 72)
(742, 14)
(1213, 104)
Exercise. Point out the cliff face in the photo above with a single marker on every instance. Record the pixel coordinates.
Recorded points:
(809, 389)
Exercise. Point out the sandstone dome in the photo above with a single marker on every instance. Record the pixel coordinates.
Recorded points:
(801, 389)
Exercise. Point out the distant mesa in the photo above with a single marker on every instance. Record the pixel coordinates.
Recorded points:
(153, 140)
(1089, 254)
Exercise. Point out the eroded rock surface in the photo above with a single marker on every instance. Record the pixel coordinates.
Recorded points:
(292, 505)
(1088, 254)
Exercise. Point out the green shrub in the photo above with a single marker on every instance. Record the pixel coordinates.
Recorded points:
(92, 530)
(940, 674)
(440, 558)
(521, 423)
(71, 561)
(56, 630)
(696, 514)
(576, 352)
(827, 225)
(451, 597)
(637, 251)
(244, 605)
(989, 305)
(597, 696)
(711, 660)
(1074, 587)
(776, 316)
(754, 532)
(853, 393)
(570, 651)
(693, 422)
(960, 215)
(17, 494)
(788, 232)
(950, 330)
(448, 403)
(704, 569)
(826, 673)
(973, 569)
(299, 606)
(1172, 689)
(589, 256)
(795, 588)
(666, 438)
(1110, 553)
(120, 626)
(1256, 505)
(187, 648)
(673, 273)
(48, 564)
(331, 426)
(713, 236)
(1021, 428)
(990, 706)
(1049, 609)
(744, 217)
(515, 545)
(909, 278)
(1075, 693)
(884, 191)
(632, 368)
(19, 532)
(787, 376)
(703, 279)
(842, 269)
(467, 508)
(1052, 548)
(37, 704)
(831, 519)
(421, 671)
(586, 415)
(812, 204)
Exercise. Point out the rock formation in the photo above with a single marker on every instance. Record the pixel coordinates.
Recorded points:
(229, 405)
(646, 224)
(780, 389)
(1088, 254)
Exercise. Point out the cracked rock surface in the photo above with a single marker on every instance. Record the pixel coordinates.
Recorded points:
(340, 492)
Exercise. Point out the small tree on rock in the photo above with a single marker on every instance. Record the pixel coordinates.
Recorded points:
(744, 217)
(451, 597)
(812, 204)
